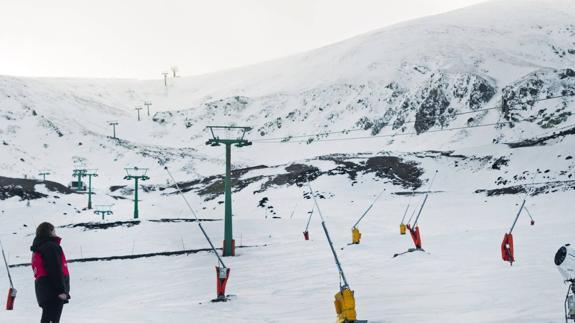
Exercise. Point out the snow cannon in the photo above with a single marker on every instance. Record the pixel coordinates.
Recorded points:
(565, 262)
(223, 274)
(415, 236)
(402, 229)
(345, 307)
(306, 235)
(355, 235)
(507, 253)
(11, 298)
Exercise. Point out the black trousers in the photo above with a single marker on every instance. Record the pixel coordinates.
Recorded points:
(51, 312)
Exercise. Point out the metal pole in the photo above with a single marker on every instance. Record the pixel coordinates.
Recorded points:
(293, 211)
(408, 205)
(309, 219)
(89, 191)
(196, 217)
(136, 198)
(420, 209)
(425, 199)
(369, 208)
(345, 284)
(228, 233)
(79, 180)
(114, 127)
(517, 217)
(148, 104)
(339, 268)
(7, 267)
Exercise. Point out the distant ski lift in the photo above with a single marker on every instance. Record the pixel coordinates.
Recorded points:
(77, 186)
(104, 210)
(136, 172)
(228, 135)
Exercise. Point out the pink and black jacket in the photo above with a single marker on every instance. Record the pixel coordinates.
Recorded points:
(50, 270)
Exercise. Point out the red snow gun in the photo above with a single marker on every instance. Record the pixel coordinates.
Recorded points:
(306, 232)
(11, 298)
(12, 290)
(415, 236)
(507, 248)
(507, 251)
(223, 274)
(414, 229)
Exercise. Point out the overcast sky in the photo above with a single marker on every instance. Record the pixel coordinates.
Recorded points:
(142, 38)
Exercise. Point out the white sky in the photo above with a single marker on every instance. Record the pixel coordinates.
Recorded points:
(142, 38)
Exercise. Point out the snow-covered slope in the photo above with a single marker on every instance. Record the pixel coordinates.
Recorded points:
(485, 95)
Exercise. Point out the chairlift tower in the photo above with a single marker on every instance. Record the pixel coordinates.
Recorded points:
(113, 124)
(104, 210)
(148, 104)
(165, 74)
(79, 173)
(228, 135)
(136, 174)
(138, 109)
(44, 173)
(90, 173)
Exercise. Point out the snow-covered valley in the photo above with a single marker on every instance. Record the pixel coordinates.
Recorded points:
(484, 95)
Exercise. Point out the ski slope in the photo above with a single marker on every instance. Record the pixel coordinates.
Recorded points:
(380, 89)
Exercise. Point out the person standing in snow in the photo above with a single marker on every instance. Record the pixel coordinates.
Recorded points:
(52, 279)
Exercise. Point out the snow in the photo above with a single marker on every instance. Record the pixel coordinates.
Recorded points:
(57, 124)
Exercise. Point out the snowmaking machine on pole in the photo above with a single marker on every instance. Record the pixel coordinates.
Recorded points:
(306, 232)
(414, 228)
(11, 291)
(222, 271)
(507, 248)
(565, 262)
(345, 298)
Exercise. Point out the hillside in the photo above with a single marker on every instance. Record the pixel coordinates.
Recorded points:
(485, 95)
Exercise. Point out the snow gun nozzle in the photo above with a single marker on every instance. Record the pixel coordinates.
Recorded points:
(532, 222)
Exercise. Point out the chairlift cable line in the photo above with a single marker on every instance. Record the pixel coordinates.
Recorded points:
(389, 135)
(355, 129)
(262, 140)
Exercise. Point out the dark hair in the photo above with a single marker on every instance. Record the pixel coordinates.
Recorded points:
(44, 230)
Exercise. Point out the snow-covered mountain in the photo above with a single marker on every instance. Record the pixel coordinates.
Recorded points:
(485, 95)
